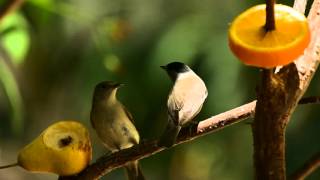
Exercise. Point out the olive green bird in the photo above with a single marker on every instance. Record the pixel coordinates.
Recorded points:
(114, 124)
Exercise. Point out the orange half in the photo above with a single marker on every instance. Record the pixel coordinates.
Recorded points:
(254, 46)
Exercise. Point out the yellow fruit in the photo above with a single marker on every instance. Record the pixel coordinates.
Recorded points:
(64, 148)
(255, 46)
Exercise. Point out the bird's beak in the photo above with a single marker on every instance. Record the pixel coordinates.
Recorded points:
(164, 67)
(117, 85)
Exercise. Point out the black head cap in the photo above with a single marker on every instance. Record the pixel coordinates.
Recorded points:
(176, 67)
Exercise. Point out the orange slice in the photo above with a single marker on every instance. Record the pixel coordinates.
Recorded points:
(254, 46)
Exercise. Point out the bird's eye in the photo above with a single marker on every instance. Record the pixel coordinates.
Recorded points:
(103, 86)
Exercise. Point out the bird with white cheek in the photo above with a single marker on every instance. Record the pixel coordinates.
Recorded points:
(114, 124)
(184, 101)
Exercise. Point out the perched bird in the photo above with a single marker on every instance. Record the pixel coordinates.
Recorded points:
(114, 124)
(184, 101)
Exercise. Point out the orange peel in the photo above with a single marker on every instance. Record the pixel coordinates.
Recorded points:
(255, 46)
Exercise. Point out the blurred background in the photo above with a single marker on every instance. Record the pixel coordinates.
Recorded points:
(53, 52)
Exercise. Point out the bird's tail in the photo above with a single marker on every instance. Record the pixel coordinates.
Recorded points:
(170, 135)
(134, 171)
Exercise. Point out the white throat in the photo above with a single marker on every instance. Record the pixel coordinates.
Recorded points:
(186, 75)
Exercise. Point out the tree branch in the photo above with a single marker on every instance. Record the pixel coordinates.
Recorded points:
(107, 162)
(310, 100)
(9, 6)
(277, 98)
(300, 5)
(110, 162)
(270, 20)
(311, 165)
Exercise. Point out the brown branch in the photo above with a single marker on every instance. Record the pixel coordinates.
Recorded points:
(9, 166)
(109, 162)
(270, 19)
(277, 98)
(9, 6)
(310, 166)
(268, 127)
(310, 100)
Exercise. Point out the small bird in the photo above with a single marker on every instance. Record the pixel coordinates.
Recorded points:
(114, 124)
(184, 101)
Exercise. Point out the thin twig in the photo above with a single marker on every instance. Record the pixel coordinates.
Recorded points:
(310, 166)
(9, 166)
(9, 6)
(270, 18)
(310, 100)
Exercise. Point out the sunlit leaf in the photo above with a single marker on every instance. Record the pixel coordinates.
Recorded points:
(44, 4)
(15, 37)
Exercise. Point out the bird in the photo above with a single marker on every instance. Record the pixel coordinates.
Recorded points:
(185, 100)
(114, 124)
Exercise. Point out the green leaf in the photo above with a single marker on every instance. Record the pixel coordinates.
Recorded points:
(12, 90)
(15, 37)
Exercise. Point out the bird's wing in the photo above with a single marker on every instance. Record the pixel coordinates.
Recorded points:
(174, 107)
(132, 139)
(204, 97)
(128, 113)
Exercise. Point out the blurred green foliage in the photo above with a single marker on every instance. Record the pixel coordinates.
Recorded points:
(53, 52)
(15, 37)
